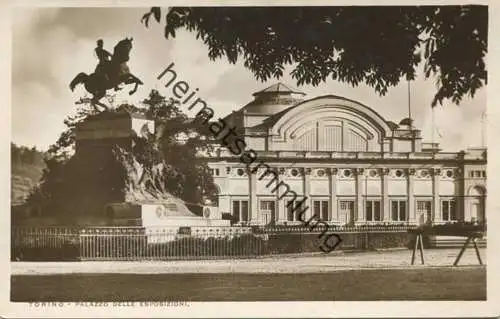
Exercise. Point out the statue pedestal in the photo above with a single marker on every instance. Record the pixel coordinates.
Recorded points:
(167, 213)
(108, 129)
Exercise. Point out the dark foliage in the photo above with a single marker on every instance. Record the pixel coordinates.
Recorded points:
(22, 155)
(379, 46)
(180, 139)
(27, 165)
(457, 229)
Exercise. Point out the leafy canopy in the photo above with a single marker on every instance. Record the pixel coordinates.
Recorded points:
(378, 45)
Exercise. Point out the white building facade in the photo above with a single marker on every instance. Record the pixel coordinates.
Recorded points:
(345, 163)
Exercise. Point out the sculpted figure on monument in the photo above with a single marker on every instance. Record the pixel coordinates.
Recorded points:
(111, 71)
(104, 58)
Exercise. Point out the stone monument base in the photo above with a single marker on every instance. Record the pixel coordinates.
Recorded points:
(170, 213)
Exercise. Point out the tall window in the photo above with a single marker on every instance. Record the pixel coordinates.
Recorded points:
(267, 205)
(373, 210)
(294, 209)
(320, 209)
(240, 210)
(423, 205)
(448, 210)
(398, 210)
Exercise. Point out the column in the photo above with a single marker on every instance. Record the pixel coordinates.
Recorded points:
(333, 214)
(307, 193)
(386, 205)
(252, 207)
(412, 213)
(460, 180)
(360, 212)
(436, 203)
(281, 209)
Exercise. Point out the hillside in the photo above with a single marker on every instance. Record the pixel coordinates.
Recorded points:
(27, 167)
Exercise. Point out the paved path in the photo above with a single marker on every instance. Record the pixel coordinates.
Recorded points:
(297, 264)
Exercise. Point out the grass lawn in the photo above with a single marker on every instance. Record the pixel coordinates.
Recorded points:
(467, 283)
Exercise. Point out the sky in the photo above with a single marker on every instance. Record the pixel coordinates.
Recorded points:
(51, 45)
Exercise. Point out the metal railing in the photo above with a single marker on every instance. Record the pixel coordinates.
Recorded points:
(133, 243)
(338, 229)
(170, 243)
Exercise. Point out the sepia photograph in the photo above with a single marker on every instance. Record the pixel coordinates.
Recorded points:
(167, 156)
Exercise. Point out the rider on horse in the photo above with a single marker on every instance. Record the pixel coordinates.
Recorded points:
(109, 73)
(104, 61)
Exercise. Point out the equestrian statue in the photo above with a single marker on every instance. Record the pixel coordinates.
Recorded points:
(111, 71)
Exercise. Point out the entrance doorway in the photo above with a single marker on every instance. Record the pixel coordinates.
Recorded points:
(424, 211)
(346, 211)
(476, 204)
(268, 211)
(475, 211)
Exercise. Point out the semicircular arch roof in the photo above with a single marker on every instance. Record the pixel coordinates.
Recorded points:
(324, 105)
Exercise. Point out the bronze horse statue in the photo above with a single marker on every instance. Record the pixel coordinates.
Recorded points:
(117, 72)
